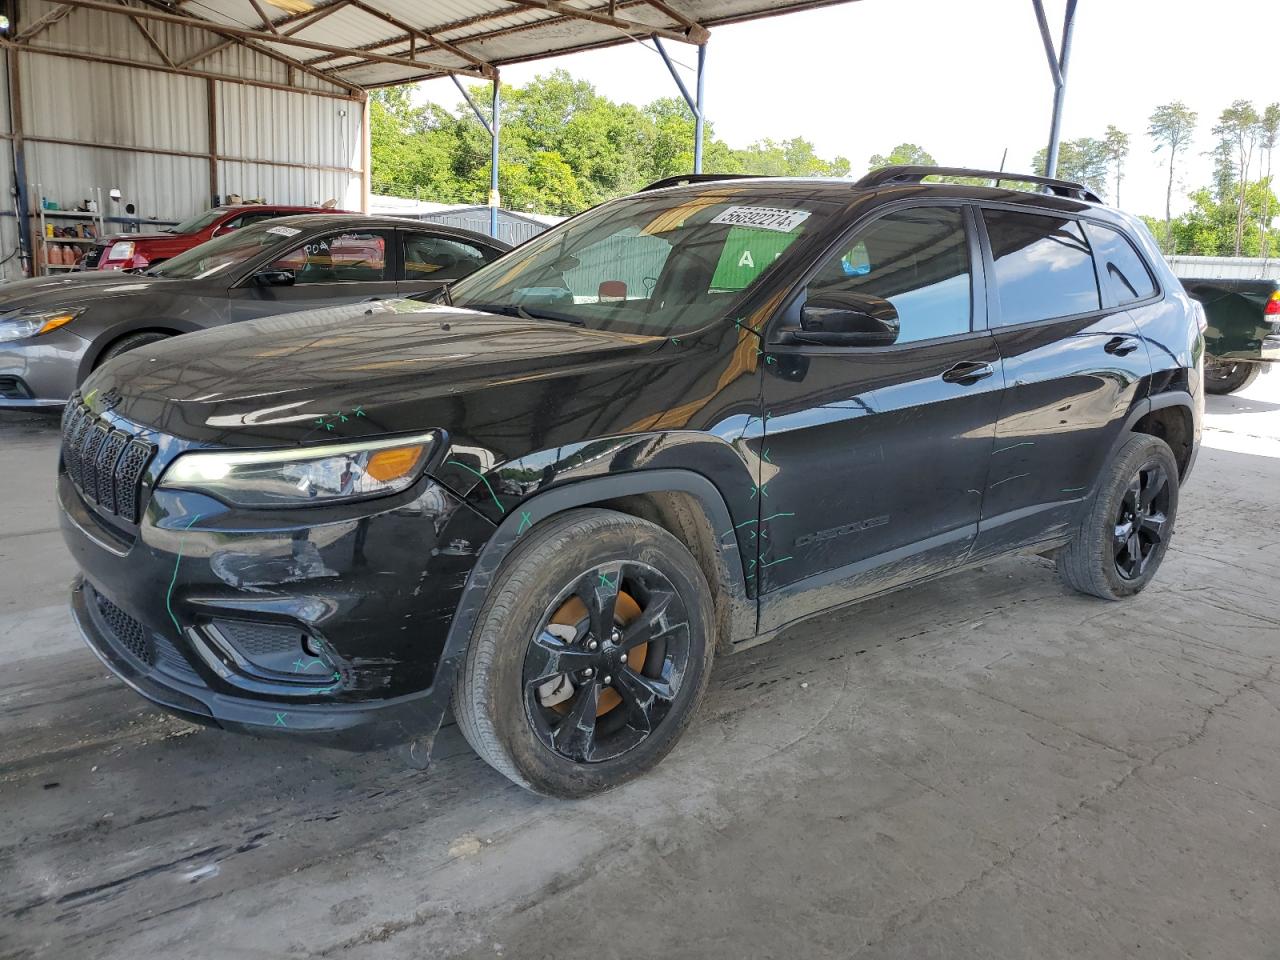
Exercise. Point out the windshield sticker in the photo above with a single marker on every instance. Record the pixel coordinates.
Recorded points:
(284, 231)
(763, 218)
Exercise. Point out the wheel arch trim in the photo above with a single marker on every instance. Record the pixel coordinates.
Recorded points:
(585, 493)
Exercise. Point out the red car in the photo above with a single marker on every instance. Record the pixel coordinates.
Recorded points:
(125, 251)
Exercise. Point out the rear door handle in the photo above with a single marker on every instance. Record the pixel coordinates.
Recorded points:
(968, 371)
(1121, 346)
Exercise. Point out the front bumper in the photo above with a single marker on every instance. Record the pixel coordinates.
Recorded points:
(170, 681)
(325, 622)
(40, 372)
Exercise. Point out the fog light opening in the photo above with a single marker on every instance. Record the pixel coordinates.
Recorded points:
(310, 647)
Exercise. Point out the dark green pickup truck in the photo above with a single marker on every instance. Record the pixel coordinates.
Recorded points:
(1243, 336)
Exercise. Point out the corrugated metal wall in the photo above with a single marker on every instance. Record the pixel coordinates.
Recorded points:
(146, 132)
(1225, 268)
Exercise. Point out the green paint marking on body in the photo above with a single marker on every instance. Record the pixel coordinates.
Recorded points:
(764, 455)
(168, 598)
(774, 516)
(525, 522)
(358, 411)
(280, 720)
(772, 562)
(483, 480)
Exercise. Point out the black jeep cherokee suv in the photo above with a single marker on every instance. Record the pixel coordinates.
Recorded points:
(672, 426)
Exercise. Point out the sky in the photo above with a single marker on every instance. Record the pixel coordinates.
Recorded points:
(963, 80)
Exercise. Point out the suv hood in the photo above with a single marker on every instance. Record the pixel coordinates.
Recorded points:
(74, 289)
(358, 370)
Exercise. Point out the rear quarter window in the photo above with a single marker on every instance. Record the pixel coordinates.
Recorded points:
(1124, 274)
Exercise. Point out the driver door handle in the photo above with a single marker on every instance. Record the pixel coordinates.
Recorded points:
(968, 372)
(1121, 346)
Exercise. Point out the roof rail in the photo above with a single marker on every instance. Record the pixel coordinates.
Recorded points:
(904, 173)
(687, 178)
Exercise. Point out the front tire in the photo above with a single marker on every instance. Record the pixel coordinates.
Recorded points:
(1127, 524)
(1229, 376)
(590, 655)
(131, 342)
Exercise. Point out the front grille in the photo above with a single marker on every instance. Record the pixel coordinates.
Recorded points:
(106, 465)
(128, 632)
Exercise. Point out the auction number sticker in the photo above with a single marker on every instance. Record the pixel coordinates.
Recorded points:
(284, 231)
(763, 218)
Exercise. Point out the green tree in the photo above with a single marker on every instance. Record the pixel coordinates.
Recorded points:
(1085, 160)
(1117, 147)
(1237, 129)
(1171, 125)
(1269, 133)
(903, 153)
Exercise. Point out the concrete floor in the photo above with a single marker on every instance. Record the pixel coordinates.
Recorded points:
(986, 767)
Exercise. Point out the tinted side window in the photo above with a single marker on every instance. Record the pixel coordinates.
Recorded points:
(438, 258)
(343, 257)
(1124, 275)
(1043, 266)
(918, 260)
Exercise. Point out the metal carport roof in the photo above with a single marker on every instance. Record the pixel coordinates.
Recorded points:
(364, 44)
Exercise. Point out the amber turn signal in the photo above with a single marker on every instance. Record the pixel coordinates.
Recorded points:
(386, 465)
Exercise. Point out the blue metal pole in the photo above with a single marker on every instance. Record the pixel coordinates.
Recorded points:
(1059, 82)
(695, 105)
(494, 197)
(698, 122)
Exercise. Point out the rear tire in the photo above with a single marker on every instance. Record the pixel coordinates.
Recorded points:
(130, 342)
(1228, 376)
(1127, 523)
(647, 676)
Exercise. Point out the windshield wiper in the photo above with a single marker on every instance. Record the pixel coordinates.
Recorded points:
(516, 310)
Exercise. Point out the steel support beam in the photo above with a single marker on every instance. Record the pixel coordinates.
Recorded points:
(492, 126)
(695, 103)
(700, 122)
(495, 199)
(246, 34)
(1058, 62)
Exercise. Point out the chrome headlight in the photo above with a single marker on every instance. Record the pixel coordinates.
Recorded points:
(32, 323)
(302, 476)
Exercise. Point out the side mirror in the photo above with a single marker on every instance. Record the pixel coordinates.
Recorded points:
(839, 319)
(274, 278)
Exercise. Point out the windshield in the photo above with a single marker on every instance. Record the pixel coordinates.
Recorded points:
(657, 264)
(222, 253)
(199, 221)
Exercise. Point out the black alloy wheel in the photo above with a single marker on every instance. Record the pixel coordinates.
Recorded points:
(590, 655)
(1141, 521)
(1126, 524)
(602, 671)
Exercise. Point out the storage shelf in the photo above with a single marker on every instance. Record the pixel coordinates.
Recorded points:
(45, 215)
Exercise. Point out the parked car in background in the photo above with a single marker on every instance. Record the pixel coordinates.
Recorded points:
(137, 251)
(668, 428)
(55, 330)
(1243, 335)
